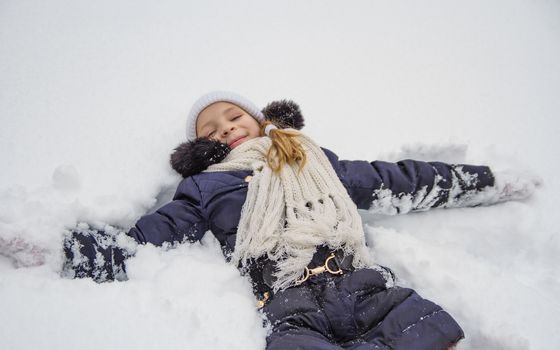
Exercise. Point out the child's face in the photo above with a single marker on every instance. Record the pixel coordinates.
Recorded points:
(227, 123)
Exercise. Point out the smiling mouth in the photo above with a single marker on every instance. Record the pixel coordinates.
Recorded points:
(236, 142)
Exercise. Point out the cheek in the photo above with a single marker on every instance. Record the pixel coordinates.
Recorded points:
(257, 131)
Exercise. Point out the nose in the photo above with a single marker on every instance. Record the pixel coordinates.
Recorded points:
(228, 129)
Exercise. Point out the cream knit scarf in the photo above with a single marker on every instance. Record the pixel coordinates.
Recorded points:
(286, 216)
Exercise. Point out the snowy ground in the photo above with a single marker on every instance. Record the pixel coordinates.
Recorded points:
(93, 97)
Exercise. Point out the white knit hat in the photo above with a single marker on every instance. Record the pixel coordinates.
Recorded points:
(219, 96)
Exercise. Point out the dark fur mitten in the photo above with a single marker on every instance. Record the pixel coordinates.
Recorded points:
(190, 158)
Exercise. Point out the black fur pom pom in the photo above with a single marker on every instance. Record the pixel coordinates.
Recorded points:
(284, 114)
(190, 158)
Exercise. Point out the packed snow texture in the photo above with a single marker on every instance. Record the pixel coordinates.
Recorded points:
(93, 98)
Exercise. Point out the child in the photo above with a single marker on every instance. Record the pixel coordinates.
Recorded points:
(285, 212)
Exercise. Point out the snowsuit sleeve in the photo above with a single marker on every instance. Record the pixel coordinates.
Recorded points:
(410, 185)
(100, 254)
(178, 221)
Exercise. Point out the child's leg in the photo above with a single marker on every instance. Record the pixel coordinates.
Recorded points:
(297, 321)
(290, 337)
(409, 322)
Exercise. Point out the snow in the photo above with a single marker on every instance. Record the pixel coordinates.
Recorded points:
(94, 96)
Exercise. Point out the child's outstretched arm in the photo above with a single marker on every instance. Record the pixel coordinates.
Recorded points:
(178, 221)
(409, 185)
(101, 253)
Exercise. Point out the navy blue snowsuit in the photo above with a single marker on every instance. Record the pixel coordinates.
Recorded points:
(355, 310)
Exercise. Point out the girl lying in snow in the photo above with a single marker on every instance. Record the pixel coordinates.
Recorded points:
(285, 212)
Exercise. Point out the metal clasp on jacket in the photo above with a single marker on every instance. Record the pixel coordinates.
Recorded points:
(262, 302)
(319, 270)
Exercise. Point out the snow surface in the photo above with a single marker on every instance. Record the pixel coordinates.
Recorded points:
(93, 98)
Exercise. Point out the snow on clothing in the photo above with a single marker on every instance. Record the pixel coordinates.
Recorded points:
(355, 310)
